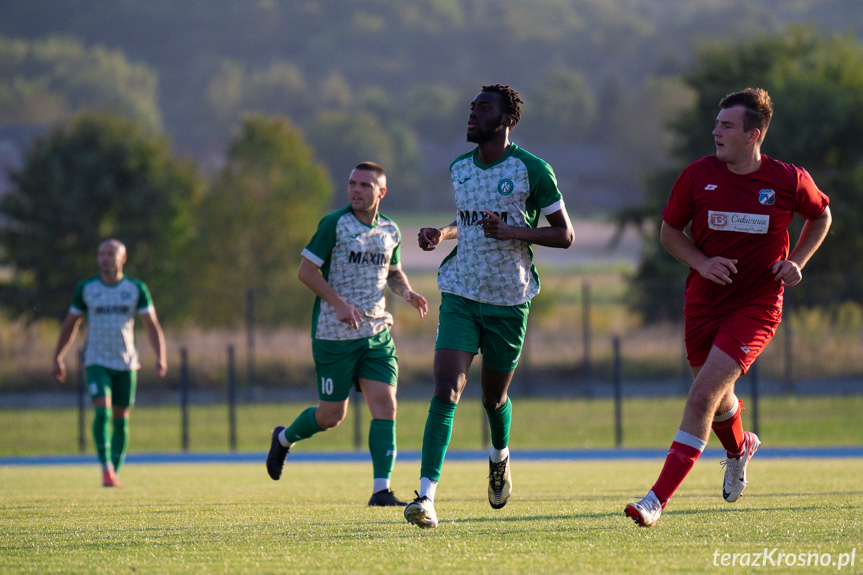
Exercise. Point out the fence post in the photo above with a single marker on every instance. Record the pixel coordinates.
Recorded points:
(686, 378)
(82, 404)
(232, 399)
(586, 336)
(184, 398)
(250, 337)
(753, 374)
(618, 393)
(484, 428)
(787, 309)
(358, 420)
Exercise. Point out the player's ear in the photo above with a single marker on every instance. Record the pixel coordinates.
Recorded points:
(754, 135)
(383, 192)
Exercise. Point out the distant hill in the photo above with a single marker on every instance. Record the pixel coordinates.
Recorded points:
(219, 60)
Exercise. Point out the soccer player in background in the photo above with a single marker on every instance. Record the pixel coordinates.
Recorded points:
(738, 204)
(111, 301)
(352, 257)
(486, 284)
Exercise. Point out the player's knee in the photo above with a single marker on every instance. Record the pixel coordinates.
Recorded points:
(446, 394)
(698, 406)
(492, 404)
(329, 421)
(329, 418)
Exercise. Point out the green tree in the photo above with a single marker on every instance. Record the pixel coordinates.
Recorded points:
(233, 92)
(345, 137)
(97, 177)
(43, 81)
(816, 82)
(262, 209)
(562, 109)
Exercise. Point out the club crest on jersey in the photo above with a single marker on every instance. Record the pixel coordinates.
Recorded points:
(767, 197)
(505, 187)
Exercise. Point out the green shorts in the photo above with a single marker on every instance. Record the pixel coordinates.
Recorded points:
(496, 330)
(119, 385)
(339, 365)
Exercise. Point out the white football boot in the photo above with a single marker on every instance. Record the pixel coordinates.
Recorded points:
(646, 511)
(421, 513)
(735, 468)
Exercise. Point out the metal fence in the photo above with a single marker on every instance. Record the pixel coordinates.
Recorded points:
(583, 342)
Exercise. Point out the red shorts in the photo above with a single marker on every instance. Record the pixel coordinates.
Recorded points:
(742, 334)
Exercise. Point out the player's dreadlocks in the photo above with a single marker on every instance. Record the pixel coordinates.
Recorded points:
(512, 103)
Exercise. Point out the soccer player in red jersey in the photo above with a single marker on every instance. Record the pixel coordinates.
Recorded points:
(738, 204)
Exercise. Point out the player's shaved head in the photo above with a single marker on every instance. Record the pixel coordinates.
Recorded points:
(377, 169)
(118, 245)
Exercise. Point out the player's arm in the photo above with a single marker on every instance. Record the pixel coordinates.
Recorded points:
(558, 234)
(717, 269)
(157, 340)
(67, 335)
(398, 282)
(310, 275)
(789, 271)
(429, 238)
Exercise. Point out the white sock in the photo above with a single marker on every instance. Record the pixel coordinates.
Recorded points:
(283, 439)
(427, 488)
(381, 484)
(498, 455)
(687, 438)
(728, 414)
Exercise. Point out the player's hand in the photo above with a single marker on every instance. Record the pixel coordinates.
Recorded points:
(161, 368)
(428, 238)
(787, 272)
(418, 301)
(59, 371)
(349, 315)
(718, 270)
(494, 227)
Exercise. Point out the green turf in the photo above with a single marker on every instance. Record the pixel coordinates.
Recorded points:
(564, 517)
(786, 421)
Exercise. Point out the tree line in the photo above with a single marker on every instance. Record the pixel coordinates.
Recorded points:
(384, 80)
(205, 238)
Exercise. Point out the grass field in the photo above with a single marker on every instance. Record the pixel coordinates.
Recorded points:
(564, 517)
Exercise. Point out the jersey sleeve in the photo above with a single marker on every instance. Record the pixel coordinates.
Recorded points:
(145, 300)
(397, 251)
(545, 190)
(79, 307)
(680, 208)
(321, 245)
(810, 202)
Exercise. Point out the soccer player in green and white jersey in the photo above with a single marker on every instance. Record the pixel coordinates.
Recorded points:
(352, 257)
(486, 284)
(111, 302)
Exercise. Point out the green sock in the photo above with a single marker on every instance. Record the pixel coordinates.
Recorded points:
(382, 447)
(100, 433)
(436, 437)
(499, 422)
(119, 442)
(303, 427)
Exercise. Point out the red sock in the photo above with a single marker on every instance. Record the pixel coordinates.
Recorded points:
(678, 463)
(730, 433)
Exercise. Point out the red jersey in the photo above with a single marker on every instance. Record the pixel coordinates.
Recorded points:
(744, 218)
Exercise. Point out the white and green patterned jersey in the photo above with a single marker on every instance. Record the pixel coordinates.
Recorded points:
(355, 259)
(518, 188)
(111, 312)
